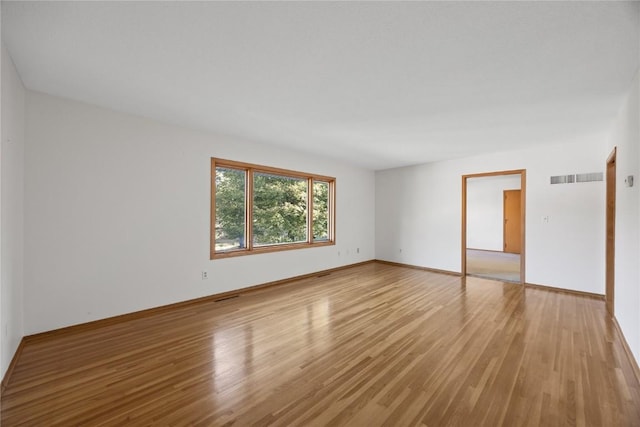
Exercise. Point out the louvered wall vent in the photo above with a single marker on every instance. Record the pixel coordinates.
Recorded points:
(589, 177)
(579, 177)
(563, 179)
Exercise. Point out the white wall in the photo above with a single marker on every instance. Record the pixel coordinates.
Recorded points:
(117, 212)
(418, 213)
(12, 193)
(485, 206)
(626, 136)
(3, 369)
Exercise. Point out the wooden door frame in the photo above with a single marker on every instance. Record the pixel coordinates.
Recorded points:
(610, 221)
(523, 194)
(504, 217)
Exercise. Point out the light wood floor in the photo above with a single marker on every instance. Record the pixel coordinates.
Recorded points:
(371, 345)
(493, 265)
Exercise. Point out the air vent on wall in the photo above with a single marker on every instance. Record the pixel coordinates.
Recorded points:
(563, 179)
(589, 177)
(579, 177)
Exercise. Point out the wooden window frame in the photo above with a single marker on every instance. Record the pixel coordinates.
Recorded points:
(250, 170)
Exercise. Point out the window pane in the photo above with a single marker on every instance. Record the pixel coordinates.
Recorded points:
(230, 209)
(320, 211)
(279, 209)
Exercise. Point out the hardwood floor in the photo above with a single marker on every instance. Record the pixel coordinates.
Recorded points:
(493, 265)
(370, 345)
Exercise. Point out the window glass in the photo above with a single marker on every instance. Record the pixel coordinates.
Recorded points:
(230, 209)
(320, 211)
(279, 209)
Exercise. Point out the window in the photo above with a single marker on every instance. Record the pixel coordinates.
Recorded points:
(321, 210)
(258, 209)
(231, 212)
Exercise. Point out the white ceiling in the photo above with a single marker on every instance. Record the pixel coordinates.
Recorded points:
(380, 84)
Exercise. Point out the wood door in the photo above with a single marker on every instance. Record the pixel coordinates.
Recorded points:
(611, 231)
(512, 226)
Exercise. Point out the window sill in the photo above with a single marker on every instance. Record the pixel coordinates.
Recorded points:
(269, 249)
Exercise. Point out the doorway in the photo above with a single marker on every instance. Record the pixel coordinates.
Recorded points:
(493, 225)
(611, 232)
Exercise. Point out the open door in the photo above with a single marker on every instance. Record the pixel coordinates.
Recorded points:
(512, 216)
(611, 231)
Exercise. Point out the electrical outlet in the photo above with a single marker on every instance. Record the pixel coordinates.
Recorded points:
(357, 250)
(205, 275)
